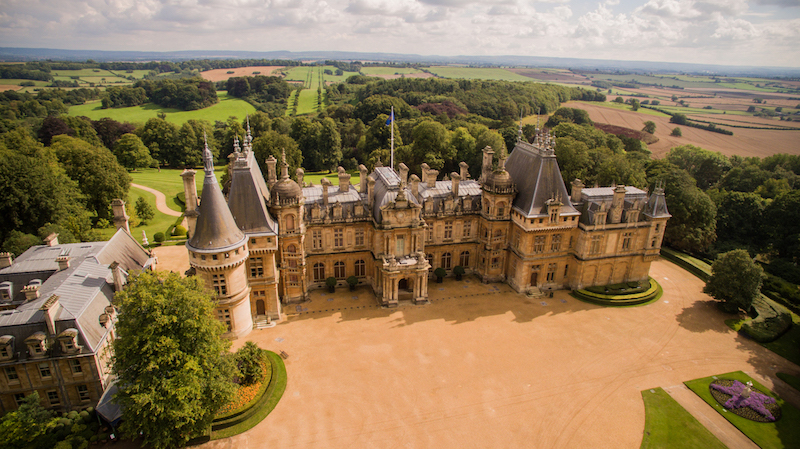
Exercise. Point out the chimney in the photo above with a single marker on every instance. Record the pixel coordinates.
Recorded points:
(577, 188)
(403, 173)
(363, 181)
(425, 167)
(300, 173)
(455, 179)
(51, 307)
(370, 190)
(116, 272)
(32, 289)
(51, 240)
(120, 215)
(344, 180)
(619, 196)
(415, 186)
(63, 262)
(464, 168)
(486, 168)
(271, 176)
(325, 184)
(5, 260)
(432, 174)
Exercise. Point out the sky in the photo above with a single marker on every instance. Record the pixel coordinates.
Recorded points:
(728, 32)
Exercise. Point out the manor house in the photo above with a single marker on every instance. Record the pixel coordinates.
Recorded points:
(273, 240)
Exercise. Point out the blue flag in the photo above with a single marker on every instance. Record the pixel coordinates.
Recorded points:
(390, 119)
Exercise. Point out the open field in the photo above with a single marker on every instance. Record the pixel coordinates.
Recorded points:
(476, 73)
(549, 75)
(743, 142)
(482, 366)
(222, 74)
(227, 106)
(395, 72)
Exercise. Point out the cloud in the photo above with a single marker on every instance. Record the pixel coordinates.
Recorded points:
(782, 3)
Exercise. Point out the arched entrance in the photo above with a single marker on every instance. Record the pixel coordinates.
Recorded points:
(405, 289)
(534, 278)
(260, 309)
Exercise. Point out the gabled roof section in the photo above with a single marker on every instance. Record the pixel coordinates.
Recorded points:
(248, 196)
(387, 187)
(657, 205)
(215, 229)
(535, 172)
(126, 251)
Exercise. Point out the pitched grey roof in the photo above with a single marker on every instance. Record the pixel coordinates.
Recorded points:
(215, 230)
(657, 205)
(248, 198)
(387, 186)
(537, 177)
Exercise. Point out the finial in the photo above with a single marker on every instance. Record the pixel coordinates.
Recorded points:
(284, 165)
(208, 163)
(519, 132)
(236, 148)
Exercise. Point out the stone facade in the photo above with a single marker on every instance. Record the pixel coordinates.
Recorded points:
(516, 224)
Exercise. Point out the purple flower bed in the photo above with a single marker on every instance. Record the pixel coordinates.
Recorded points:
(757, 407)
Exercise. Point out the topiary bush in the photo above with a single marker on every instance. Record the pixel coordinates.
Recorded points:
(440, 272)
(179, 230)
(249, 359)
(331, 283)
(158, 237)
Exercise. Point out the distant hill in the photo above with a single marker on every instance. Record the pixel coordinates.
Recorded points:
(13, 54)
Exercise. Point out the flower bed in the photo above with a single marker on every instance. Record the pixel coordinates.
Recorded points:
(247, 393)
(757, 407)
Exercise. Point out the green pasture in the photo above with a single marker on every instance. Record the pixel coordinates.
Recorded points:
(476, 73)
(15, 82)
(624, 107)
(381, 71)
(301, 74)
(316, 177)
(333, 78)
(691, 111)
(308, 101)
(138, 74)
(783, 433)
(667, 424)
(227, 106)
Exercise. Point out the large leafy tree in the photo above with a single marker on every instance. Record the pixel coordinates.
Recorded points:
(706, 167)
(735, 280)
(272, 143)
(100, 177)
(21, 427)
(172, 363)
(161, 137)
(783, 223)
(132, 153)
(740, 218)
(329, 145)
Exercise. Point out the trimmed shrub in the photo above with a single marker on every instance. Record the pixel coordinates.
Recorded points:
(352, 280)
(158, 237)
(440, 272)
(179, 230)
(458, 270)
(249, 359)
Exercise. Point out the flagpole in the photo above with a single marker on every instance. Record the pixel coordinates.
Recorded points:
(392, 125)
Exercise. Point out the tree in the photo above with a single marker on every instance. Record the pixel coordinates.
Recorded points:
(431, 145)
(173, 366)
(272, 143)
(634, 104)
(21, 427)
(144, 210)
(619, 100)
(676, 132)
(649, 127)
(735, 280)
(100, 177)
(740, 218)
(679, 119)
(706, 167)
(249, 361)
(110, 130)
(132, 153)
(329, 145)
(783, 223)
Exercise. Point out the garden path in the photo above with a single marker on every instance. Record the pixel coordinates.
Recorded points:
(161, 200)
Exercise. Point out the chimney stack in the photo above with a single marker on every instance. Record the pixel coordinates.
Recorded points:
(455, 179)
(577, 188)
(116, 272)
(403, 168)
(344, 180)
(415, 186)
(424, 167)
(486, 168)
(464, 169)
(6, 260)
(32, 289)
(370, 190)
(63, 262)
(51, 307)
(432, 174)
(300, 174)
(271, 175)
(51, 240)
(120, 215)
(362, 188)
(325, 184)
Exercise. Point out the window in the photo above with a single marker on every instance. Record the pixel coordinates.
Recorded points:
(555, 243)
(52, 398)
(653, 243)
(319, 272)
(83, 392)
(291, 252)
(501, 209)
(429, 234)
(44, 370)
(316, 239)
(252, 241)
(19, 398)
(338, 237)
(551, 272)
(338, 270)
(596, 243)
(430, 260)
(553, 215)
(515, 239)
(293, 279)
(463, 259)
(359, 237)
(218, 281)
(566, 270)
(495, 262)
(256, 267)
(75, 365)
(538, 243)
(570, 242)
(290, 222)
(224, 315)
(5, 352)
(448, 230)
(214, 257)
(11, 374)
(446, 260)
(361, 268)
(658, 227)
(466, 230)
(626, 241)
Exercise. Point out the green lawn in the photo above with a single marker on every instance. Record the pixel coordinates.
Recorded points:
(377, 71)
(477, 73)
(169, 182)
(84, 72)
(333, 177)
(308, 101)
(227, 106)
(784, 433)
(667, 424)
(299, 74)
(794, 381)
(159, 223)
(15, 82)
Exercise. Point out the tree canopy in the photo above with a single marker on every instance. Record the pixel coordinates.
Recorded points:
(735, 280)
(173, 366)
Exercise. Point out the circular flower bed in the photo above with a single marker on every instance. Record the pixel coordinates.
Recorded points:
(756, 406)
(246, 393)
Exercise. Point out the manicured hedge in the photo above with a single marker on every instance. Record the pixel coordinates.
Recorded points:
(652, 293)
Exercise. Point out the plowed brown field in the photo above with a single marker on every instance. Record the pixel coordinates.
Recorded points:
(743, 142)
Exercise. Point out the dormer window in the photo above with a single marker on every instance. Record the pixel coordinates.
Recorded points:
(37, 344)
(69, 340)
(6, 347)
(6, 291)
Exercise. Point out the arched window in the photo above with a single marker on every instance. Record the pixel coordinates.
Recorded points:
(501, 209)
(290, 222)
(319, 272)
(338, 270)
(291, 249)
(463, 259)
(361, 268)
(446, 260)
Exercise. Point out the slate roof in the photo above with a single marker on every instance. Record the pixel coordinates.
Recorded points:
(248, 196)
(657, 205)
(537, 177)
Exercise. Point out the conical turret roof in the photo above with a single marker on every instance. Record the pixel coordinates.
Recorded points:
(215, 229)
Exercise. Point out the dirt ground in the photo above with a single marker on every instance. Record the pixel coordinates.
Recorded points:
(744, 142)
(482, 366)
(222, 74)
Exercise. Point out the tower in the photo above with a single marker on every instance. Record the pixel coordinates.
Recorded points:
(218, 251)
